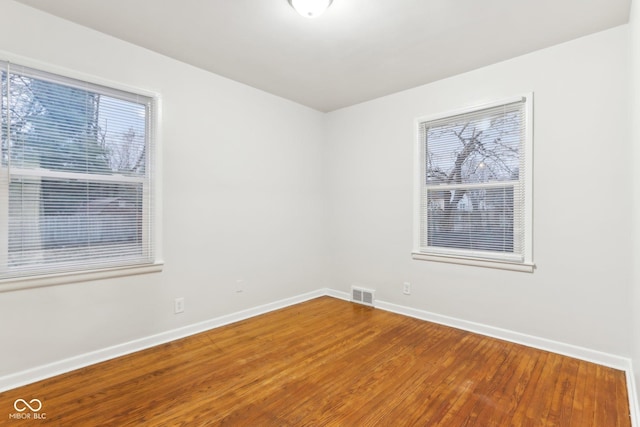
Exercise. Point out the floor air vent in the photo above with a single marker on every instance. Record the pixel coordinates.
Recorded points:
(362, 296)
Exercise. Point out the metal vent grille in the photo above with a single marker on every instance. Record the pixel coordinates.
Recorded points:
(367, 298)
(362, 296)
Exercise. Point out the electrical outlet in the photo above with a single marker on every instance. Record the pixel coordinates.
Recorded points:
(406, 288)
(178, 305)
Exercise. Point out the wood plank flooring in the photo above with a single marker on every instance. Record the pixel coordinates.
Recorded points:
(328, 362)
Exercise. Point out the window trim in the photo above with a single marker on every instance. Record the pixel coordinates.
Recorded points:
(39, 281)
(155, 169)
(463, 257)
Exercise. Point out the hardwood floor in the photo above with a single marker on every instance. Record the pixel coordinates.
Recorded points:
(331, 362)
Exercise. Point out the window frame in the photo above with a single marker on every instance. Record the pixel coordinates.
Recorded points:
(469, 257)
(154, 139)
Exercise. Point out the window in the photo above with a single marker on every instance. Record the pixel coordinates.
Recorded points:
(473, 186)
(76, 175)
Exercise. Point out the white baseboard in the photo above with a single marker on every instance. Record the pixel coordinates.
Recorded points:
(632, 391)
(606, 359)
(601, 358)
(38, 373)
(59, 367)
(338, 294)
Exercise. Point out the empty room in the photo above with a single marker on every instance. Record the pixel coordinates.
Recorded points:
(319, 212)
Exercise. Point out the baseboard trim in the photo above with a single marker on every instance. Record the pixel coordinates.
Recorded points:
(39, 373)
(632, 391)
(601, 358)
(338, 294)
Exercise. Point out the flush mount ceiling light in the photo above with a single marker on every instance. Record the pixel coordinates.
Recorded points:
(310, 8)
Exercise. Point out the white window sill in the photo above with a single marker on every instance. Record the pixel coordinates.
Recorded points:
(502, 265)
(29, 282)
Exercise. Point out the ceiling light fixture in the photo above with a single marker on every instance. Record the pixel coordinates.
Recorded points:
(310, 8)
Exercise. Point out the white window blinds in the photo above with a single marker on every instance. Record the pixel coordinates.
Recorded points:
(472, 184)
(75, 175)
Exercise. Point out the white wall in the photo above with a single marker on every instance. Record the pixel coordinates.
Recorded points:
(634, 119)
(582, 198)
(243, 198)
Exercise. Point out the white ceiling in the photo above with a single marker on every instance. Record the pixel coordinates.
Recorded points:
(357, 51)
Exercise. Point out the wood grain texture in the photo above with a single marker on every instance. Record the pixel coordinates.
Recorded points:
(328, 362)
